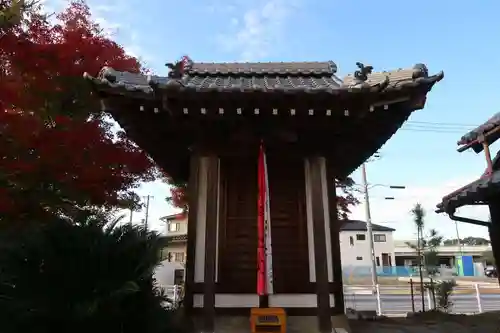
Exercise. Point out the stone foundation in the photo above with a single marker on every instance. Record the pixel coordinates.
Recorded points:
(295, 324)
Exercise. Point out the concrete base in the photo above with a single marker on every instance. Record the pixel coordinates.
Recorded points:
(309, 324)
(295, 324)
(341, 322)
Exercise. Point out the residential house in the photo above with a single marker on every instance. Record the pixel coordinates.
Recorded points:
(176, 237)
(355, 244)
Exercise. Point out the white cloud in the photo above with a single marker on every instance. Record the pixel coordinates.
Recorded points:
(258, 29)
(396, 213)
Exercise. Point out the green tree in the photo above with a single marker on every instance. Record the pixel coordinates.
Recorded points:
(11, 12)
(426, 249)
(427, 243)
(488, 257)
(81, 275)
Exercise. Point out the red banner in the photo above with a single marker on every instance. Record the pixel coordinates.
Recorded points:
(261, 251)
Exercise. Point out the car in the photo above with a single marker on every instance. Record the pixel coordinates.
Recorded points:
(491, 272)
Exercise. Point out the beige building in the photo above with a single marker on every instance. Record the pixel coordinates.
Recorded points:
(176, 236)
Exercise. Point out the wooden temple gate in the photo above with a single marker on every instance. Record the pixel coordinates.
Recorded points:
(204, 124)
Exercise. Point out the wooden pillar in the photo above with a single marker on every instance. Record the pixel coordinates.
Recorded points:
(193, 190)
(338, 292)
(320, 247)
(203, 216)
(494, 230)
(212, 170)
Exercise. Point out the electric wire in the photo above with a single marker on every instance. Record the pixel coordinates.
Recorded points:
(437, 127)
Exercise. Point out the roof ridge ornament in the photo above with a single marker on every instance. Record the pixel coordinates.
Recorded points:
(361, 75)
(420, 70)
(180, 67)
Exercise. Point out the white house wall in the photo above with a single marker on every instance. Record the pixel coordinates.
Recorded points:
(361, 249)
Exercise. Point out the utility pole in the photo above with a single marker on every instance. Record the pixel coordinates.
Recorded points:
(131, 213)
(147, 197)
(460, 246)
(369, 228)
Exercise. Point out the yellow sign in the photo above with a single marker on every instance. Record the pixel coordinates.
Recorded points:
(268, 320)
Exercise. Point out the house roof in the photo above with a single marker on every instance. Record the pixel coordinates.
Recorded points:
(271, 77)
(173, 217)
(356, 225)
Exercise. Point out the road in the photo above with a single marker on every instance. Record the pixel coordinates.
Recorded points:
(402, 304)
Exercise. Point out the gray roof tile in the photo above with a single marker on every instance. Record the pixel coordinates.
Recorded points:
(265, 68)
(486, 127)
(308, 77)
(476, 191)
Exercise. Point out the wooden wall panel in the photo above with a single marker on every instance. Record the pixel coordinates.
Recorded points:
(288, 223)
(238, 224)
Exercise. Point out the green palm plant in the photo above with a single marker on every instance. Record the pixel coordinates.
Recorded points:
(418, 219)
(90, 273)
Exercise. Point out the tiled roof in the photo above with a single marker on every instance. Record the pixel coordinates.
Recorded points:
(299, 77)
(473, 135)
(265, 68)
(476, 191)
(356, 225)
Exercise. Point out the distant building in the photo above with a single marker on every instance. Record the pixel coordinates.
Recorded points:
(355, 245)
(448, 255)
(176, 238)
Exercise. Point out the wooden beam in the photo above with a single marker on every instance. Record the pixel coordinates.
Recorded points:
(487, 154)
(318, 215)
(193, 193)
(338, 293)
(210, 243)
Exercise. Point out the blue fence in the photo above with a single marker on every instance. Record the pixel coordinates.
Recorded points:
(397, 271)
(362, 271)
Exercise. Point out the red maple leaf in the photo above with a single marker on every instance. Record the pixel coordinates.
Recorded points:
(57, 150)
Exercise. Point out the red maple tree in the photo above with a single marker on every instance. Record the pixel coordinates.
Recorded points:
(58, 151)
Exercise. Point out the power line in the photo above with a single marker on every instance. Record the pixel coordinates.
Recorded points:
(441, 123)
(432, 130)
(437, 127)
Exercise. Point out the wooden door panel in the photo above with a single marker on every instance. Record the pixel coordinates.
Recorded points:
(238, 224)
(288, 223)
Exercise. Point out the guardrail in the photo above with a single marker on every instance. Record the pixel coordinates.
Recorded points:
(174, 294)
(399, 300)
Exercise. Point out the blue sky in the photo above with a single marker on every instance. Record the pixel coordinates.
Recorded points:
(457, 37)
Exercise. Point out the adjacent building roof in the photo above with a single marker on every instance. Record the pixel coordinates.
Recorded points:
(476, 192)
(488, 129)
(488, 183)
(356, 225)
(284, 77)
